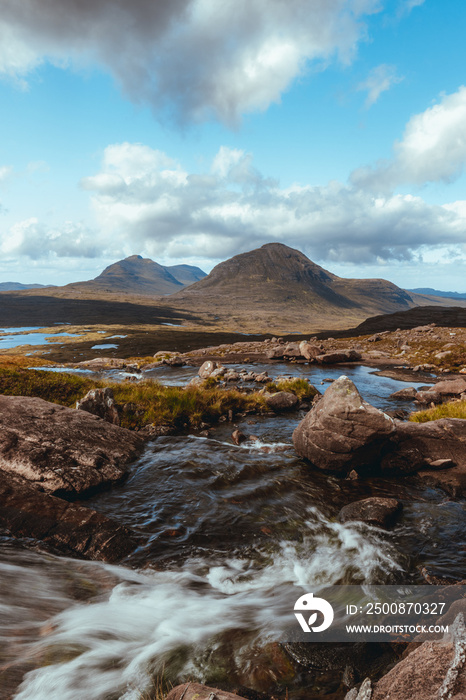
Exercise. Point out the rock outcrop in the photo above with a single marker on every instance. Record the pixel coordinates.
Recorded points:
(60, 450)
(342, 431)
(67, 527)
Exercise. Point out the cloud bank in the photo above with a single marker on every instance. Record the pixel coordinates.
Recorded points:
(195, 59)
(145, 201)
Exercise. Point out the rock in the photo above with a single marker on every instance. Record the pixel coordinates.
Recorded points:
(442, 355)
(428, 397)
(218, 372)
(451, 387)
(231, 376)
(424, 329)
(67, 527)
(433, 671)
(262, 378)
(60, 450)
(174, 361)
(413, 444)
(100, 402)
(275, 353)
(441, 464)
(364, 693)
(292, 350)
(238, 437)
(407, 394)
(196, 691)
(206, 369)
(376, 511)
(309, 350)
(332, 358)
(282, 401)
(342, 431)
(374, 338)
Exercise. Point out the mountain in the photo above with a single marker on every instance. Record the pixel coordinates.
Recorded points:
(437, 293)
(16, 286)
(276, 281)
(138, 275)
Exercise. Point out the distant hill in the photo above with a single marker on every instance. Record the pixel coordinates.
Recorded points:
(437, 293)
(281, 284)
(16, 286)
(138, 275)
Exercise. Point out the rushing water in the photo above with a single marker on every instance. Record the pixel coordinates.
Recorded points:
(230, 537)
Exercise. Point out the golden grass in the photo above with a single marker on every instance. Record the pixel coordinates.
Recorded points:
(452, 409)
(300, 387)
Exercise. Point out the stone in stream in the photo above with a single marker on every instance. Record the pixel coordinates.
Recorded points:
(282, 401)
(407, 394)
(309, 350)
(381, 512)
(67, 527)
(206, 369)
(238, 437)
(60, 450)
(100, 402)
(342, 431)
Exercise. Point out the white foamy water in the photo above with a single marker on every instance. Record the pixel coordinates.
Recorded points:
(156, 620)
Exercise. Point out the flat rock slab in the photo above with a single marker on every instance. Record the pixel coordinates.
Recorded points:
(67, 527)
(60, 450)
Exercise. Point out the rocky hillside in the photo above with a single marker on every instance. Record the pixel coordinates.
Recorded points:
(138, 275)
(276, 280)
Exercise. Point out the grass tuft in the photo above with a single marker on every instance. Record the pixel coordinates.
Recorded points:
(451, 409)
(302, 388)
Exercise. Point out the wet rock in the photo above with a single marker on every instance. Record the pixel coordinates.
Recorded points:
(196, 691)
(407, 394)
(282, 401)
(428, 397)
(100, 402)
(342, 431)
(414, 445)
(332, 358)
(262, 378)
(218, 372)
(67, 527)
(238, 437)
(61, 450)
(433, 671)
(381, 512)
(232, 376)
(206, 369)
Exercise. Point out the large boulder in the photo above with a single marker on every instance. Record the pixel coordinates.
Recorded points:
(342, 431)
(66, 527)
(100, 402)
(60, 450)
(206, 369)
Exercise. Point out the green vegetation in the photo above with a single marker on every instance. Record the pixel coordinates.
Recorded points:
(139, 404)
(300, 387)
(60, 388)
(149, 402)
(452, 409)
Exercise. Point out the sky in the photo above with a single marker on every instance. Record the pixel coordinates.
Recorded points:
(193, 130)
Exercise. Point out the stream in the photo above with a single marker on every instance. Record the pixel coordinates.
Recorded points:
(231, 536)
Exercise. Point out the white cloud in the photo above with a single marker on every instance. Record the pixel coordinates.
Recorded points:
(380, 79)
(5, 172)
(196, 59)
(32, 239)
(433, 148)
(169, 212)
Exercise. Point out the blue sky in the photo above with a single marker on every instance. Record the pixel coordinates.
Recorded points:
(193, 130)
